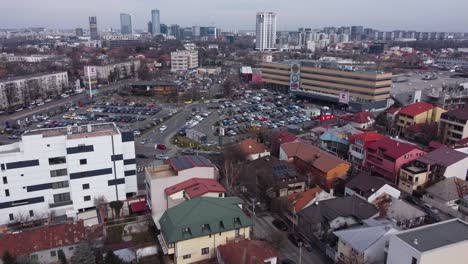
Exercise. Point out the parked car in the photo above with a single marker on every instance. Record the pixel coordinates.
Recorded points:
(279, 224)
(162, 128)
(161, 146)
(188, 152)
(295, 239)
(162, 157)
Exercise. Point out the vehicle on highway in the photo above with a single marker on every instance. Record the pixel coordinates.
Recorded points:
(162, 128)
(279, 224)
(161, 146)
(162, 157)
(295, 239)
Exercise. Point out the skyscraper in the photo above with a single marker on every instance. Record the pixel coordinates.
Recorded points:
(150, 27)
(155, 20)
(265, 31)
(164, 29)
(93, 31)
(126, 24)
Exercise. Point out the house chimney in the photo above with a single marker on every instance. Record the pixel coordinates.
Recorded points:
(90, 128)
(331, 191)
(415, 241)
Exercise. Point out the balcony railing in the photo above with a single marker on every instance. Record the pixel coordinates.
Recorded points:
(58, 204)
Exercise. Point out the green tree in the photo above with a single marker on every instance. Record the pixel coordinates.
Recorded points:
(7, 258)
(62, 258)
(117, 207)
(111, 258)
(83, 254)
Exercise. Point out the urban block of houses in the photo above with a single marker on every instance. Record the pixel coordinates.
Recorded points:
(247, 252)
(445, 194)
(177, 170)
(403, 214)
(321, 167)
(444, 162)
(418, 113)
(193, 230)
(360, 120)
(385, 157)
(369, 187)
(358, 144)
(443, 242)
(454, 125)
(193, 188)
(252, 149)
(336, 141)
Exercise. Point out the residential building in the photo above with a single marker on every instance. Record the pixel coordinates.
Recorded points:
(193, 230)
(362, 245)
(265, 33)
(443, 242)
(403, 214)
(360, 120)
(126, 27)
(184, 60)
(385, 157)
(320, 167)
(321, 219)
(300, 200)
(442, 163)
(155, 22)
(247, 252)
(445, 194)
(176, 170)
(119, 70)
(418, 113)
(369, 188)
(449, 97)
(35, 58)
(454, 125)
(93, 30)
(358, 144)
(41, 244)
(191, 189)
(120, 41)
(279, 138)
(336, 142)
(252, 149)
(62, 170)
(362, 89)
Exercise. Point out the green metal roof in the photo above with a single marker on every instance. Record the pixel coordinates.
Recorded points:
(202, 216)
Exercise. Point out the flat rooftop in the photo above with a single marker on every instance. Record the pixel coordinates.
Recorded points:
(415, 82)
(434, 236)
(160, 172)
(414, 169)
(72, 132)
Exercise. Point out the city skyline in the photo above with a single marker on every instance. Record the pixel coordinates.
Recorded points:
(415, 15)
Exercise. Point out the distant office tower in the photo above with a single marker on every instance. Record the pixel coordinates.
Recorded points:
(211, 32)
(155, 20)
(93, 31)
(175, 31)
(356, 32)
(126, 24)
(164, 29)
(265, 31)
(79, 32)
(150, 27)
(196, 31)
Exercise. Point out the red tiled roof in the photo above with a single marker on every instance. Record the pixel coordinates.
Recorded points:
(367, 137)
(462, 142)
(435, 145)
(392, 148)
(42, 238)
(359, 117)
(299, 200)
(196, 187)
(247, 252)
(416, 108)
(283, 137)
(251, 146)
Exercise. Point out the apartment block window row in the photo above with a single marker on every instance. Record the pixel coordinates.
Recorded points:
(57, 160)
(58, 173)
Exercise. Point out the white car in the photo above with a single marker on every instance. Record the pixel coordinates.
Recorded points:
(65, 95)
(48, 100)
(162, 128)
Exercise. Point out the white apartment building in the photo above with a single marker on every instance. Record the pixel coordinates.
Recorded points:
(25, 89)
(62, 170)
(265, 31)
(184, 60)
(30, 58)
(443, 242)
(125, 70)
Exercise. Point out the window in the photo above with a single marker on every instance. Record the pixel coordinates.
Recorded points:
(31, 213)
(34, 258)
(83, 161)
(70, 248)
(205, 251)
(58, 173)
(57, 160)
(11, 217)
(59, 185)
(2, 166)
(187, 256)
(53, 253)
(61, 197)
(220, 195)
(7, 192)
(170, 245)
(86, 186)
(237, 232)
(5, 180)
(414, 261)
(87, 198)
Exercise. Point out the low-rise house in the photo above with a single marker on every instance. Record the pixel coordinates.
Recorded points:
(321, 219)
(336, 142)
(279, 138)
(454, 125)
(362, 245)
(298, 201)
(41, 244)
(385, 157)
(358, 144)
(400, 212)
(369, 187)
(252, 149)
(247, 252)
(445, 194)
(176, 170)
(321, 167)
(193, 230)
(191, 189)
(392, 113)
(418, 113)
(360, 120)
(443, 242)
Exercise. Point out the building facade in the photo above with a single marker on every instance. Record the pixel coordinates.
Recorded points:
(126, 27)
(93, 30)
(454, 125)
(62, 170)
(265, 31)
(184, 60)
(22, 90)
(120, 70)
(155, 22)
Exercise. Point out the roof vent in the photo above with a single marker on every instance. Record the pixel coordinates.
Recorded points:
(69, 130)
(415, 241)
(90, 128)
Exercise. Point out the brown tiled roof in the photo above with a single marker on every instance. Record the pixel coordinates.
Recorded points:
(318, 158)
(251, 146)
(299, 200)
(247, 252)
(443, 156)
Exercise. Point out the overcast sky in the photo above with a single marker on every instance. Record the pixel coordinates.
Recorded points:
(421, 15)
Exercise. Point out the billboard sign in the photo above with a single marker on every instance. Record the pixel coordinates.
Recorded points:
(344, 98)
(295, 78)
(90, 71)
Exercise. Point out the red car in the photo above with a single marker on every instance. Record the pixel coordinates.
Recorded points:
(161, 146)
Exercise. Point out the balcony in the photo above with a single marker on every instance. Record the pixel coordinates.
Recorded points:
(59, 204)
(237, 238)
